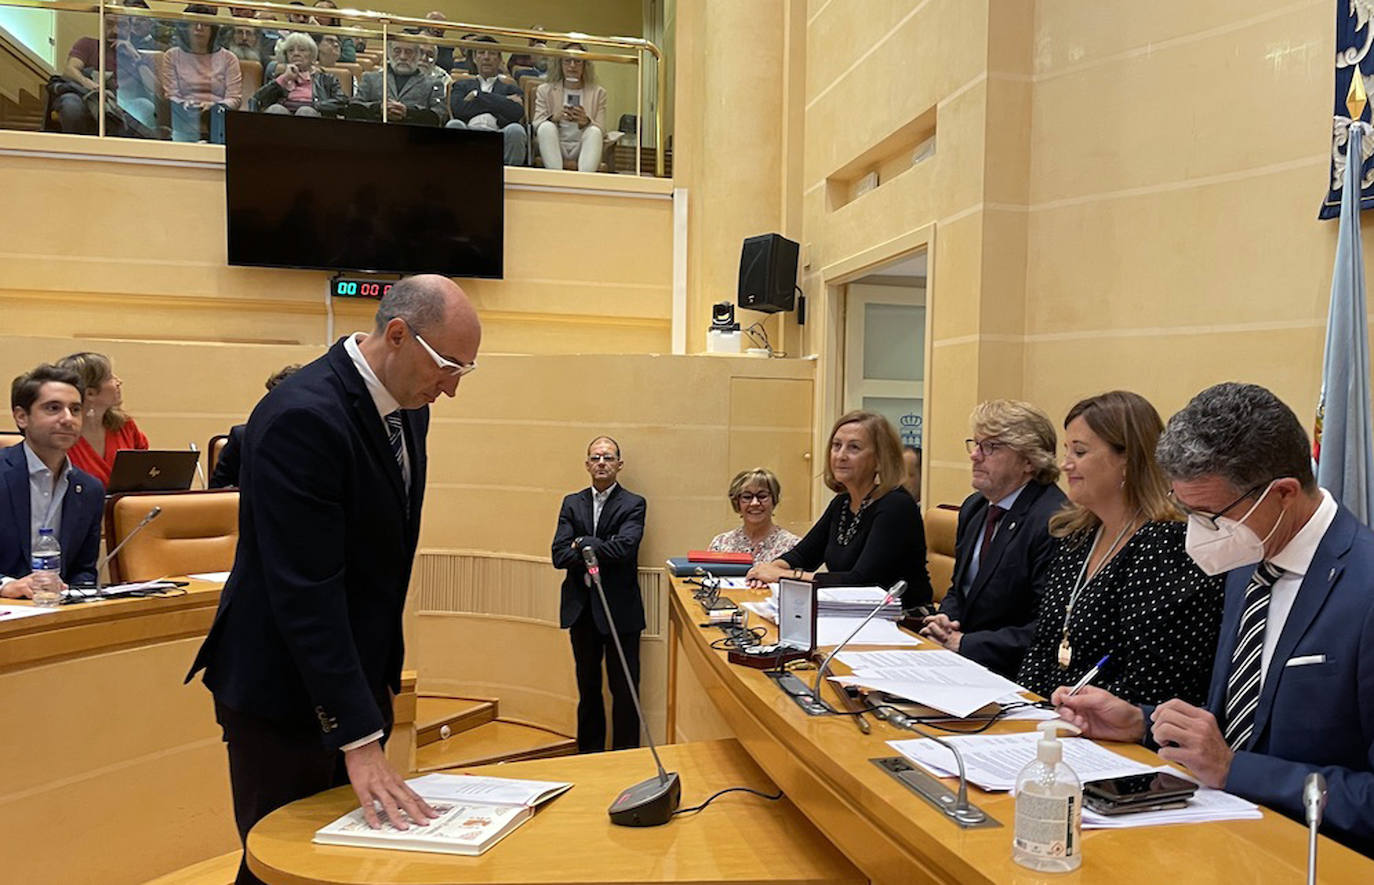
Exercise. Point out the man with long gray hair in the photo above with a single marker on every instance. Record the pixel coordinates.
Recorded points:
(1292, 688)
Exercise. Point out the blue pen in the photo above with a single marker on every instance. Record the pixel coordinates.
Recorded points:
(1088, 676)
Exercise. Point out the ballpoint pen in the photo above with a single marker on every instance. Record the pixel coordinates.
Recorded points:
(1089, 676)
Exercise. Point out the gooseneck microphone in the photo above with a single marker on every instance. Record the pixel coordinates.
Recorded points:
(651, 802)
(200, 474)
(895, 593)
(104, 560)
(1314, 803)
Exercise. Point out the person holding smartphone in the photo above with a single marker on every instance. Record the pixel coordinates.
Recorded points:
(570, 114)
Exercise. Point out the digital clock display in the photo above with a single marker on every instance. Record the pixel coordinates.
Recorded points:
(359, 287)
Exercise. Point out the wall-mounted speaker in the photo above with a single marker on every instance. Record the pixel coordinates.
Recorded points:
(768, 273)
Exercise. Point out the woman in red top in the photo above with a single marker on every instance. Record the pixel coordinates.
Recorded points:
(105, 429)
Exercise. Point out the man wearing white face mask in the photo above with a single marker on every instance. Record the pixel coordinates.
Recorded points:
(1293, 685)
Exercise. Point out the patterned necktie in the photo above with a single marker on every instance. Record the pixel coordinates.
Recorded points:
(398, 442)
(1243, 686)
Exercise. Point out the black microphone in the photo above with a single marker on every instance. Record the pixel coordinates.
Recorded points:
(1314, 803)
(895, 593)
(653, 801)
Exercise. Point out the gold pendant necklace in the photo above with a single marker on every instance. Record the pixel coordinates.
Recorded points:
(1065, 649)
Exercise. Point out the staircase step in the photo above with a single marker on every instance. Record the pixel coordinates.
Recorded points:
(434, 712)
(497, 741)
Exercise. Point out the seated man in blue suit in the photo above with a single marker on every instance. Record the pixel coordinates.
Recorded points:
(1294, 674)
(1002, 546)
(39, 487)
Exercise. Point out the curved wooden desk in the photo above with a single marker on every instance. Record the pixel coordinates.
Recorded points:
(893, 836)
(739, 838)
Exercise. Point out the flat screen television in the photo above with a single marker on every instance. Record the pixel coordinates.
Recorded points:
(359, 196)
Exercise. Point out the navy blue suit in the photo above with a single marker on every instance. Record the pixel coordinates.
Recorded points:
(997, 612)
(81, 513)
(306, 647)
(1315, 716)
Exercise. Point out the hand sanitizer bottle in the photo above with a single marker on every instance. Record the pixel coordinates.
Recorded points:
(1049, 807)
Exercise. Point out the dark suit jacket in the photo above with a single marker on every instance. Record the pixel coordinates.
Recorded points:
(997, 613)
(616, 542)
(308, 631)
(1316, 716)
(226, 473)
(79, 537)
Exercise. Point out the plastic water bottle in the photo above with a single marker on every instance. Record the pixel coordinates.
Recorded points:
(47, 569)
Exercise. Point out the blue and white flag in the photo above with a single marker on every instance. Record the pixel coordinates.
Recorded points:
(1343, 444)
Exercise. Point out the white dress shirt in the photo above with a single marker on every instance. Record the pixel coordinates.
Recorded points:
(1295, 559)
(976, 561)
(599, 503)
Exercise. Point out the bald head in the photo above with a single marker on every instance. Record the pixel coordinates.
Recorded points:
(425, 328)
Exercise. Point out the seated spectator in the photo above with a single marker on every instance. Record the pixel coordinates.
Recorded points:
(1291, 687)
(443, 55)
(1121, 582)
(105, 428)
(524, 64)
(871, 534)
(491, 101)
(911, 460)
(41, 488)
(268, 37)
(245, 43)
(228, 35)
(348, 51)
(300, 88)
(412, 96)
(147, 34)
(1002, 546)
(130, 84)
(754, 494)
(226, 472)
(329, 51)
(300, 19)
(428, 52)
(201, 82)
(570, 114)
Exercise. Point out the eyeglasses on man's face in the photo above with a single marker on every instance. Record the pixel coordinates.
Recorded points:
(1211, 518)
(751, 497)
(596, 459)
(987, 448)
(450, 367)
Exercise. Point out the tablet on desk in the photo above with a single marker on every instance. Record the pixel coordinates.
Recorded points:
(152, 470)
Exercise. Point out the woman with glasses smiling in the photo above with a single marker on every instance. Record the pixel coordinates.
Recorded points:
(754, 494)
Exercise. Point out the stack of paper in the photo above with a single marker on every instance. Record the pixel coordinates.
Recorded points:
(856, 602)
(15, 612)
(832, 630)
(1205, 806)
(993, 761)
(941, 679)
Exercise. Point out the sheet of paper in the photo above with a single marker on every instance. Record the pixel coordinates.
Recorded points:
(1205, 805)
(994, 760)
(939, 678)
(831, 631)
(213, 577)
(876, 660)
(494, 790)
(956, 700)
(15, 612)
(763, 609)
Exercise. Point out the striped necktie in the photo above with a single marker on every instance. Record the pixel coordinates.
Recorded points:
(398, 442)
(1243, 686)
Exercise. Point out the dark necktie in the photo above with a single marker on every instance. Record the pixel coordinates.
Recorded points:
(1243, 685)
(398, 442)
(995, 515)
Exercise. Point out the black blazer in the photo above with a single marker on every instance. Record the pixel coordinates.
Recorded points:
(81, 512)
(226, 472)
(616, 542)
(308, 631)
(997, 613)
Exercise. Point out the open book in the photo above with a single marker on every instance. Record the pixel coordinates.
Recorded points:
(474, 814)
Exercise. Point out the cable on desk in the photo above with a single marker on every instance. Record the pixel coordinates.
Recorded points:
(695, 808)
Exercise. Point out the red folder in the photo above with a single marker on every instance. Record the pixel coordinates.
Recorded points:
(715, 556)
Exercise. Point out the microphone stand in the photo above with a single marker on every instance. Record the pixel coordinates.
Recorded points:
(895, 593)
(200, 474)
(1314, 799)
(962, 811)
(651, 802)
(108, 557)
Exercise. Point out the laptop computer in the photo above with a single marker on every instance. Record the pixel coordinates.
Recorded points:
(152, 470)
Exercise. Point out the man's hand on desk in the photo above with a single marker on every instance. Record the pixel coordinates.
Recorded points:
(374, 780)
(939, 628)
(1099, 713)
(20, 588)
(1190, 735)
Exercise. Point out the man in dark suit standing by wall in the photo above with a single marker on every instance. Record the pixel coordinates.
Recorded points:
(306, 650)
(39, 487)
(1002, 547)
(609, 519)
(1294, 670)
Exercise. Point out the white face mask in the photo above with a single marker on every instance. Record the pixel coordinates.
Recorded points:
(1231, 545)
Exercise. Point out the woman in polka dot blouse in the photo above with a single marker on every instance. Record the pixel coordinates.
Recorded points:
(1122, 584)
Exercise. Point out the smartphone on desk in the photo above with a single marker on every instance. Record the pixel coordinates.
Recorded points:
(1155, 791)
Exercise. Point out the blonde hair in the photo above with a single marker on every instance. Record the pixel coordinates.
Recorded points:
(1024, 428)
(888, 451)
(555, 74)
(758, 476)
(94, 369)
(1129, 424)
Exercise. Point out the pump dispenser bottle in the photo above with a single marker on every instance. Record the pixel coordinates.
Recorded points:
(1049, 807)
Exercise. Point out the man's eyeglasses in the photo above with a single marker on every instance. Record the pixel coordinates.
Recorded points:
(987, 447)
(751, 497)
(453, 369)
(1211, 518)
(609, 459)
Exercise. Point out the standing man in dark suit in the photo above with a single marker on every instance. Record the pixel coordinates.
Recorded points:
(305, 653)
(1002, 546)
(609, 519)
(39, 487)
(1293, 679)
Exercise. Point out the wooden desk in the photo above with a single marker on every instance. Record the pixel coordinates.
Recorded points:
(739, 838)
(893, 836)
